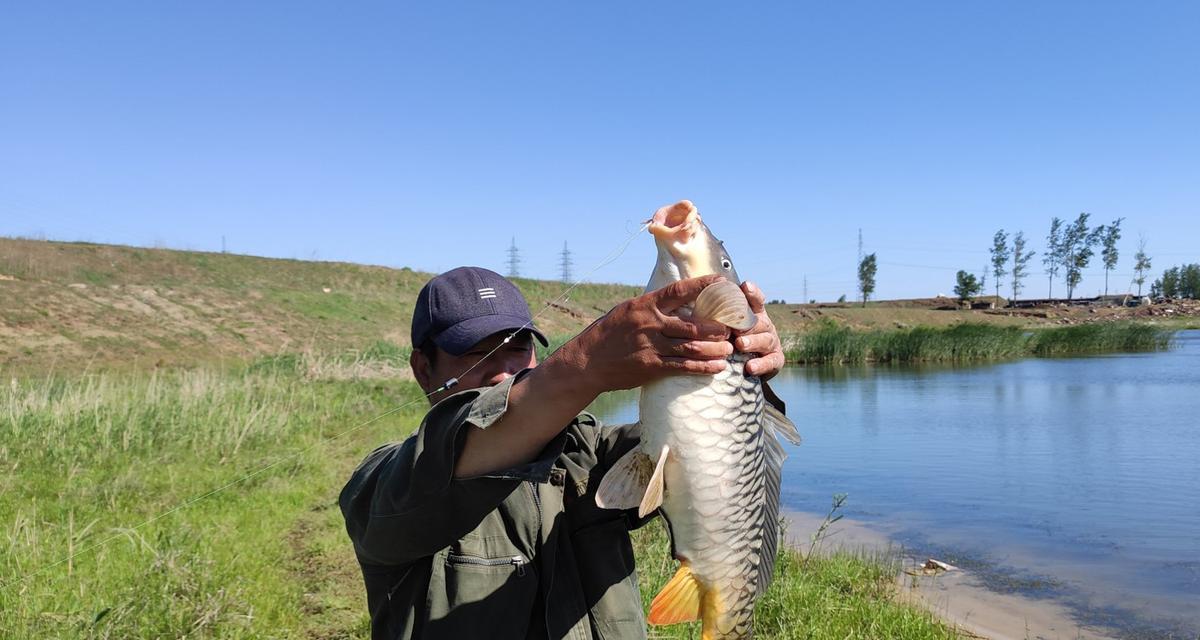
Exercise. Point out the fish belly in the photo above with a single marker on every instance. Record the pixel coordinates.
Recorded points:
(714, 487)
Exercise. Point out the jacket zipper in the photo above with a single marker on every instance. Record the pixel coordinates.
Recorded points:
(517, 561)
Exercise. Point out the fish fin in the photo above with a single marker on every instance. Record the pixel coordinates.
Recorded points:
(781, 425)
(625, 483)
(724, 302)
(654, 489)
(774, 456)
(679, 601)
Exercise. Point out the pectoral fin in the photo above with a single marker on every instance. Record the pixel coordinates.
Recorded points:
(724, 302)
(634, 481)
(654, 489)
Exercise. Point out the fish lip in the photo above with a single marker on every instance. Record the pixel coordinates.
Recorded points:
(675, 224)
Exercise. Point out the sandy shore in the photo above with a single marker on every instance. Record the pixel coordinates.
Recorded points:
(955, 596)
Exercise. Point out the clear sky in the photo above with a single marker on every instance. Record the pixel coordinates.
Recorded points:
(430, 135)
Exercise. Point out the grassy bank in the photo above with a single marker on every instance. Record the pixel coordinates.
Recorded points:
(833, 343)
(95, 458)
(839, 595)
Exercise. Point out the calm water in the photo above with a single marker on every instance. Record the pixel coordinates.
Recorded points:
(1075, 479)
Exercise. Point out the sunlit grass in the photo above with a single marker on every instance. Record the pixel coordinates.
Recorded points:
(106, 468)
(837, 344)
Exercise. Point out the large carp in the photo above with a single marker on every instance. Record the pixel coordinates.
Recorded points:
(709, 455)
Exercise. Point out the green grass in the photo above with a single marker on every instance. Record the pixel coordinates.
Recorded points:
(95, 459)
(831, 343)
(837, 595)
(87, 460)
(1101, 338)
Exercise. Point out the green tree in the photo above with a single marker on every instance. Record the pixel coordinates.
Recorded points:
(1052, 259)
(1000, 255)
(1141, 265)
(1109, 254)
(1021, 260)
(866, 277)
(967, 286)
(1189, 281)
(1077, 250)
(1168, 285)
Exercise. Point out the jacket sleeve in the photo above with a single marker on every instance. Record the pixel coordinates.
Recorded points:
(404, 503)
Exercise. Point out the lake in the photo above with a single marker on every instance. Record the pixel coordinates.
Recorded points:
(1075, 479)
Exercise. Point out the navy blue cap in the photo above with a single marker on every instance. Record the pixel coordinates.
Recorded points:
(465, 305)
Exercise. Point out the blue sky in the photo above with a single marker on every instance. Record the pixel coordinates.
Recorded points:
(431, 135)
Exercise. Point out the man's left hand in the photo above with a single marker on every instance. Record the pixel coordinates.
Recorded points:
(761, 340)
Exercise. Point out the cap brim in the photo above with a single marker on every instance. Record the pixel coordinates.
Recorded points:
(459, 338)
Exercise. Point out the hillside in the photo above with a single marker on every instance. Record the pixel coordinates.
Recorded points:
(71, 305)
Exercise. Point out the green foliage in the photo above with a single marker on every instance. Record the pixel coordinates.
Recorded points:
(966, 286)
(1053, 257)
(1141, 265)
(1109, 236)
(1077, 250)
(831, 343)
(866, 277)
(1100, 338)
(1021, 259)
(1178, 282)
(1001, 252)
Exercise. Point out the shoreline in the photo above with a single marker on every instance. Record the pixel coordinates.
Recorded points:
(956, 597)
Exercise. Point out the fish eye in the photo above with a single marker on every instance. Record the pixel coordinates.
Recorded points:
(726, 264)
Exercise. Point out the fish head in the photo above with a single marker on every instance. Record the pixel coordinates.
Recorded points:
(686, 247)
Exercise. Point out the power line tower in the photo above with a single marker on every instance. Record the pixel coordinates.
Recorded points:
(860, 253)
(805, 300)
(514, 259)
(566, 264)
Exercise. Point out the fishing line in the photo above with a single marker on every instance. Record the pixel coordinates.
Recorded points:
(449, 384)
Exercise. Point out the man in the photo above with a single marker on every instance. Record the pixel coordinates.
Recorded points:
(483, 524)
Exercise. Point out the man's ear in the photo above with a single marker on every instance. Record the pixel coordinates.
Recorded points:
(422, 370)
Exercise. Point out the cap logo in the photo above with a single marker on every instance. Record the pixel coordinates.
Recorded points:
(487, 293)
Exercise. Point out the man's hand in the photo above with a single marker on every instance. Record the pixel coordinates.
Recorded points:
(761, 339)
(639, 341)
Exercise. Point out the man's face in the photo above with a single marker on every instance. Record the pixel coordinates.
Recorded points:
(508, 359)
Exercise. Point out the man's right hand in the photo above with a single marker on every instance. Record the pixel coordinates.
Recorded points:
(640, 341)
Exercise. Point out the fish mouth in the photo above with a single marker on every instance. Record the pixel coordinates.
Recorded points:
(676, 224)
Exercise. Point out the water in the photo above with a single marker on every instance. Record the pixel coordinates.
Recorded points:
(1075, 479)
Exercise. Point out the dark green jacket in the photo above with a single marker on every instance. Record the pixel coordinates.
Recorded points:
(519, 553)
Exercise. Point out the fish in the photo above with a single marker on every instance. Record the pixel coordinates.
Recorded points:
(709, 455)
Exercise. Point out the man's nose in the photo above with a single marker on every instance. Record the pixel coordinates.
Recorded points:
(499, 376)
(509, 370)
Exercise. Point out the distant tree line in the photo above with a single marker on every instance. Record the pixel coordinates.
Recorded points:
(1178, 282)
(1070, 247)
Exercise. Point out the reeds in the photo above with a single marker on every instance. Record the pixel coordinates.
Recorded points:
(831, 343)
